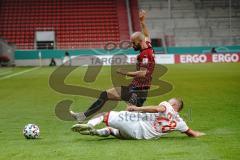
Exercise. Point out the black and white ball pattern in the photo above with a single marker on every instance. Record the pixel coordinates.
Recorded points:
(31, 131)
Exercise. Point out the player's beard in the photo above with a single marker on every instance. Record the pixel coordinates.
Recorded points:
(137, 47)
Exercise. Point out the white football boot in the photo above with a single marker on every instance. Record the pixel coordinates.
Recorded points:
(80, 117)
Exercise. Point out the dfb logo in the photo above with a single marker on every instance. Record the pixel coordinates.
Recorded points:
(57, 83)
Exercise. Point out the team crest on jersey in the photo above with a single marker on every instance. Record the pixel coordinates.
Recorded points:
(145, 61)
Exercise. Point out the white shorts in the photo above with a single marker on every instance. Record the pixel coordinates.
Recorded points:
(129, 128)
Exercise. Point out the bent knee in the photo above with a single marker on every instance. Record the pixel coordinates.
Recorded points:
(114, 94)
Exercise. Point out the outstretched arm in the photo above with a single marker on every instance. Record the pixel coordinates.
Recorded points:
(160, 108)
(192, 133)
(142, 16)
(149, 109)
(141, 73)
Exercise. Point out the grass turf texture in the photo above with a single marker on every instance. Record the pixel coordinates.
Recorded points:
(211, 95)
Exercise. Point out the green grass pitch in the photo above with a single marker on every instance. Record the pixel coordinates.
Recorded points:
(212, 104)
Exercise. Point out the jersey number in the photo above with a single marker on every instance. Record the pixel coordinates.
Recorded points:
(167, 124)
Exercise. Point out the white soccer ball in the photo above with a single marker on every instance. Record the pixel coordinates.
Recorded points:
(31, 131)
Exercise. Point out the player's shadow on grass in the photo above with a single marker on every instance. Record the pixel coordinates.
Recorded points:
(96, 139)
(175, 138)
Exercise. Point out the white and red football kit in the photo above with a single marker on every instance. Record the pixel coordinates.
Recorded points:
(135, 125)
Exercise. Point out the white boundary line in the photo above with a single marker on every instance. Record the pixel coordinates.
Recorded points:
(19, 73)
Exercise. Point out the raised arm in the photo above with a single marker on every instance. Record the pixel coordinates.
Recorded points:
(192, 133)
(142, 16)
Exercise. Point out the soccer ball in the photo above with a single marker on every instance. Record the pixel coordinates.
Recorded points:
(31, 131)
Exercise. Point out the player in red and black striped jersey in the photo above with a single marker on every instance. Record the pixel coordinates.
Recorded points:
(145, 61)
(136, 92)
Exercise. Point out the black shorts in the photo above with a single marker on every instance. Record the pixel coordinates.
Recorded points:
(134, 95)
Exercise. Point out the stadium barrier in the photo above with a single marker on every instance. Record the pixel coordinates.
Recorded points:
(205, 58)
(175, 55)
(131, 59)
(164, 59)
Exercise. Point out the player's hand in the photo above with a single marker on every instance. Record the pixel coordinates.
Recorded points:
(198, 134)
(121, 71)
(192, 133)
(142, 15)
(132, 108)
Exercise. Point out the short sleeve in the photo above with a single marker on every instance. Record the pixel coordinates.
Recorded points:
(166, 105)
(182, 126)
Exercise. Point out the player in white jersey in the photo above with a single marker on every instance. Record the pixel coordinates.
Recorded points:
(140, 122)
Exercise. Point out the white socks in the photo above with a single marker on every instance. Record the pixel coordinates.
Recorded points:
(114, 132)
(95, 121)
(108, 131)
(104, 131)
